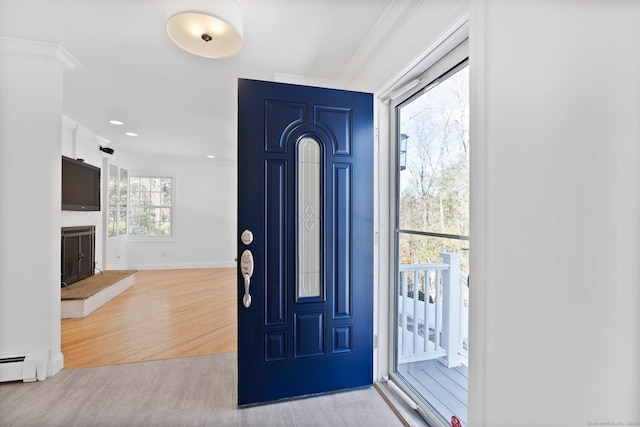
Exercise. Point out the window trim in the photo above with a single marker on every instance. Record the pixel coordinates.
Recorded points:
(107, 166)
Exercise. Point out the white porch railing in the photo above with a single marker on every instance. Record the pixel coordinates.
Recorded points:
(437, 325)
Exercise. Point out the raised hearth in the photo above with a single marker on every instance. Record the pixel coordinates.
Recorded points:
(85, 296)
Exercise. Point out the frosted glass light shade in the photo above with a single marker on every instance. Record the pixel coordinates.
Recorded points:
(212, 29)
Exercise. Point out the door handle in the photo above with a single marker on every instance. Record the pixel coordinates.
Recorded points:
(246, 268)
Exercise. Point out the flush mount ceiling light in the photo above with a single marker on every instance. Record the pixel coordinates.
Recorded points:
(209, 28)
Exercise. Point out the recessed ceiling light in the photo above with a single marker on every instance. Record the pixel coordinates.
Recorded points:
(116, 122)
(211, 157)
(131, 134)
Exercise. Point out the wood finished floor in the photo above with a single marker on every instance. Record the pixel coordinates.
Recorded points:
(166, 314)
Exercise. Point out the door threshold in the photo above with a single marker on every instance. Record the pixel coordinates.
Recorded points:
(409, 416)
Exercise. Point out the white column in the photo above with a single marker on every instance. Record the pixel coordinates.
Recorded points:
(30, 186)
(451, 310)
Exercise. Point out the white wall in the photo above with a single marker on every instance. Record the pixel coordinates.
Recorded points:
(30, 185)
(205, 216)
(555, 232)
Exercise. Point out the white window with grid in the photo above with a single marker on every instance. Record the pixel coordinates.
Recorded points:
(150, 206)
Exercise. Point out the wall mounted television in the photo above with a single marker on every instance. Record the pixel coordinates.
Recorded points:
(80, 186)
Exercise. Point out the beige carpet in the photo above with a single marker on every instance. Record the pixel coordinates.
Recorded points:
(92, 285)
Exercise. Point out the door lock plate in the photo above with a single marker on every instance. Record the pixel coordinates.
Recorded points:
(246, 237)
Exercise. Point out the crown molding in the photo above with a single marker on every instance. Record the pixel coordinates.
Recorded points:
(69, 122)
(396, 13)
(34, 49)
(382, 32)
(88, 133)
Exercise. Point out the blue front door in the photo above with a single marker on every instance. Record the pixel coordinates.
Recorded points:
(305, 240)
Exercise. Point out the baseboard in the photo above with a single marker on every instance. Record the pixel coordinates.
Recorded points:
(183, 265)
(55, 365)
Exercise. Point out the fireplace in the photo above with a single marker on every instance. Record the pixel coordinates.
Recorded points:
(77, 253)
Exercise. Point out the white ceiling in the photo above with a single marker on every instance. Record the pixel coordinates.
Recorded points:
(180, 104)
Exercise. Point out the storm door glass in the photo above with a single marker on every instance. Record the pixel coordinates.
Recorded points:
(432, 235)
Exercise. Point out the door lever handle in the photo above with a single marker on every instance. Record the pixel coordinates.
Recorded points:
(246, 267)
(246, 300)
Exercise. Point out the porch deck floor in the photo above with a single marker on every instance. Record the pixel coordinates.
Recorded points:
(445, 389)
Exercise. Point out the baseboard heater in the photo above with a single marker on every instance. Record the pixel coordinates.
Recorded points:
(13, 359)
(26, 367)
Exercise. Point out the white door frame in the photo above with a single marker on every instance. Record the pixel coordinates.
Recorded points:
(425, 68)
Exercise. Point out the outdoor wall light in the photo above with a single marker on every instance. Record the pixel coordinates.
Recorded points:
(403, 151)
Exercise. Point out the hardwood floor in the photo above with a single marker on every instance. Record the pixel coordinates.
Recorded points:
(166, 314)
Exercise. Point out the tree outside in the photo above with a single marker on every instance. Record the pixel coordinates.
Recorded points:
(434, 176)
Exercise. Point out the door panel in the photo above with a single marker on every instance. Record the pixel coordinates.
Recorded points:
(305, 191)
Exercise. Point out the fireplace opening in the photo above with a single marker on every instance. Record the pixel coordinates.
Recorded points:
(77, 253)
